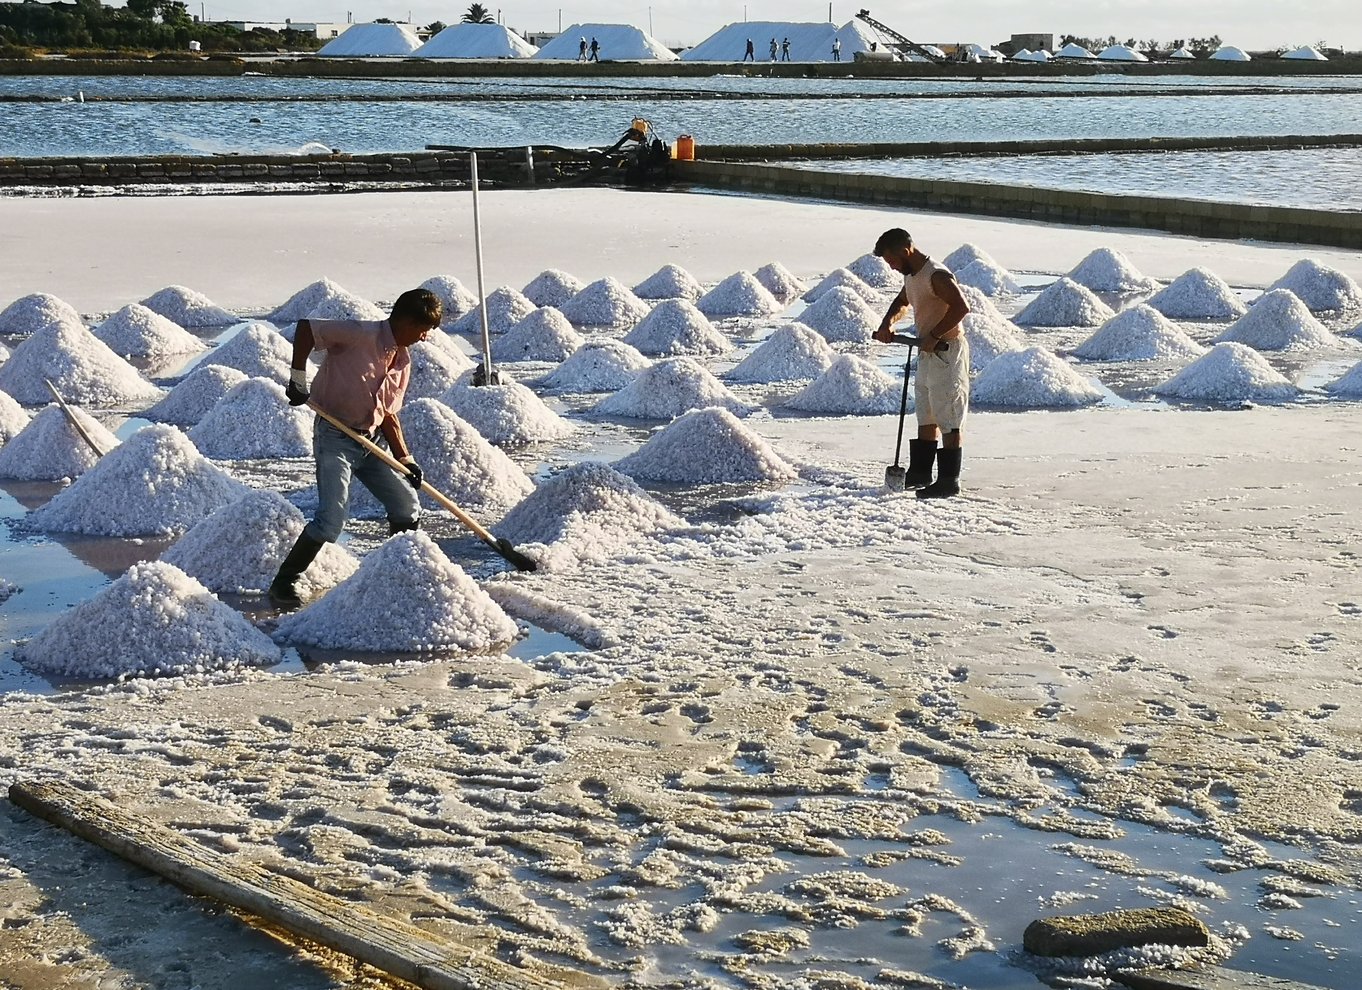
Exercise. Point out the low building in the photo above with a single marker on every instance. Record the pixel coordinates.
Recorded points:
(319, 30)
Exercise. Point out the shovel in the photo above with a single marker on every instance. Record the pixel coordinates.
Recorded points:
(896, 474)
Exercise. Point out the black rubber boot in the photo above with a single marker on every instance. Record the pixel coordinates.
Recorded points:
(947, 475)
(395, 527)
(921, 454)
(284, 587)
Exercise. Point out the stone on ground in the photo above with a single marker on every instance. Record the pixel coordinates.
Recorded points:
(1094, 934)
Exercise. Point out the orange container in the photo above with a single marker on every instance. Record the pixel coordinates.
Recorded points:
(685, 148)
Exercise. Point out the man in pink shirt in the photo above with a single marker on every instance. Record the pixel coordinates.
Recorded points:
(362, 382)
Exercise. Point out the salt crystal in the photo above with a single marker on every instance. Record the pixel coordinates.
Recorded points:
(13, 418)
(451, 346)
(669, 282)
(988, 278)
(506, 414)
(967, 254)
(455, 299)
(1197, 294)
(840, 314)
(791, 353)
(434, 369)
(852, 386)
(598, 366)
(738, 295)
(29, 314)
(459, 461)
(706, 446)
(780, 282)
(325, 300)
(1065, 303)
(1278, 321)
(258, 350)
(49, 448)
(875, 272)
(187, 308)
(553, 288)
(841, 278)
(674, 327)
(1320, 287)
(136, 331)
(1032, 379)
(668, 389)
(1229, 372)
(505, 308)
(989, 332)
(79, 364)
(254, 420)
(1140, 333)
(544, 335)
(605, 303)
(1348, 385)
(189, 401)
(1107, 270)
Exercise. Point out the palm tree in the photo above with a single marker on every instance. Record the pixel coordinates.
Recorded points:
(478, 14)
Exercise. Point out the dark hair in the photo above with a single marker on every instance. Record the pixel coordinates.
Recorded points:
(420, 305)
(894, 239)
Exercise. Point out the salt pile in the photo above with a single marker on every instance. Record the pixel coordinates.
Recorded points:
(189, 401)
(372, 41)
(875, 272)
(406, 597)
(553, 288)
(738, 295)
(325, 300)
(605, 303)
(154, 620)
(505, 308)
(258, 350)
(1065, 303)
(136, 331)
(676, 326)
(599, 366)
(851, 387)
(465, 40)
(668, 389)
(449, 346)
(840, 314)
(989, 278)
(989, 332)
(13, 419)
(1197, 294)
(29, 314)
(254, 420)
(79, 364)
(1349, 385)
(1278, 321)
(434, 368)
(459, 461)
(1140, 333)
(1032, 379)
(841, 278)
(48, 449)
(506, 414)
(1229, 372)
(187, 308)
(1105, 270)
(153, 484)
(669, 282)
(792, 353)
(238, 548)
(780, 282)
(967, 254)
(1320, 287)
(544, 335)
(706, 447)
(455, 300)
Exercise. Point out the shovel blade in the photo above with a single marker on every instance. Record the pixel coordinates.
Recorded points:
(894, 477)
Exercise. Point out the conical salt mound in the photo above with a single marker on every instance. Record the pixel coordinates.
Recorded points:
(1349, 385)
(154, 620)
(668, 389)
(544, 335)
(988, 278)
(434, 368)
(29, 314)
(1032, 379)
(875, 272)
(449, 346)
(706, 447)
(841, 315)
(455, 300)
(1065, 303)
(553, 288)
(851, 387)
(780, 282)
(989, 332)
(49, 449)
(189, 401)
(1278, 321)
(238, 548)
(1197, 294)
(507, 414)
(325, 300)
(459, 461)
(841, 278)
(738, 295)
(1229, 372)
(406, 597)
(587, 513)
(187, 308)
(254, 420)
(505, 308)
(1105, 270)
(605, 303)
(794, 352)
(598, 366)
(155, 483)
(1320, 287)
(669, 282)
(967, 254)
(258, 350)
(674, 327)
(13, 419)
(1140, 333)
(79, 364)
(135, 331)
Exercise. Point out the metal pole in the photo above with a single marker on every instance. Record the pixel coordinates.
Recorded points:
(482, 290)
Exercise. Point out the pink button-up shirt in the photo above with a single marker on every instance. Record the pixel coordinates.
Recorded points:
(364, 374)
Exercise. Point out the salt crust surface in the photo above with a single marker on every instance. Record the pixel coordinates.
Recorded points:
(1108, 270)
(544, 335)
(669, 282)
(434, 368)
(989, 332)
(792, 353)
(406, 596)
(706, 446)
(1140, 333)
(31, 313)
(238, 548)
(841, 314)
(153, 484)
(136, 331)
(13, 418)
(186, 308)
(676, 326)
(552, 287)
(189, 401)
(606, 302)
(967, 254)
(459, 461)
(257, 351)
(254, 420)
(738, 295)
(506, 414)
(1032, 379)
(668, 389)
(852, 386)
(154, 620)
(598, 366)
(1229, 372)
(49, 449)
(1278, 321)
(505, 308)
(875, 272)
(1348, 385)
(988, 278)
(325, 300)
(842, 278)
(455, 299)
(79, 364)
(1320, 287)
(1065, 303)
(1197, 294)
(780, 282)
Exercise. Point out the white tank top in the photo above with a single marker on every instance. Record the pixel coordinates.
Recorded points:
(928, 307)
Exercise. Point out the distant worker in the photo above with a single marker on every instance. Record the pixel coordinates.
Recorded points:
(751, 54)
(774, 49)
(837, 49)
(785, 50)
(595, 51)
(581, 50)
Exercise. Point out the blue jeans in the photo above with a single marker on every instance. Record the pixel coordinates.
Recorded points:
(338, 460)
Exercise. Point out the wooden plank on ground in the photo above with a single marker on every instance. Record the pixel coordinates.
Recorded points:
(1213, 978)
(395, 947)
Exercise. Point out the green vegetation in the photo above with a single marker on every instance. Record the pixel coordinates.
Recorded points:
(478, 14)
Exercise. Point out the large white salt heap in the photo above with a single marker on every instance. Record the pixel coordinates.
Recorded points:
(455, 300)
(1229, 373)
(669, 389)
(254, 420)
(238, 548)
(187, 308)
(544, 335)
(1140, 333)
(967, 254)
(1320, 287)
(435, 367)
(29, 314)
(459, 461)
(841, 315)
(136, 331)
(476, 41)
(406, 597)
(1278, 321)
(154, 620)
(676, 326)
(1065, 303)
(989, 332)
(79, 364)
(989, 278)
(258, 350)
(156, 483)
(552, 287)
(372, 41)
(325, 300)
(13, 418)
(1348, 385)
(706, 447)
(875, 272)
(49, 448)
(505, 308)
(669, 282)
(1107, 270)
(851, 387)
(780, 282)
(738, 295)
(606, 302)
(1197, 294)
(617, 42)
(598, 366)
(507, 414)
(842, 278)
(189, 401)
(793, 352)
(809, 41)
(1032, 379)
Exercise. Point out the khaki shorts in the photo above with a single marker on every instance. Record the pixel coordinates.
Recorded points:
(941, 394)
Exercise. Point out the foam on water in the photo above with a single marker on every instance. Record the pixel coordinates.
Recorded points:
(1140, 333)
(989, 332)
(49, 449)
(676, 326)
(738, 295)
(257, 351)
(967, 254)
(1278, 321)
(668, 389)
(1347, 385)
(669, 282)
(552, 287)
(842, 278)
(434, 368)
(606, 302)
(1320, 287)
(1229, 372)
(79, 364)
(598, 366)
(459, 461)
(455, 299)
(706, 446)
(1032, 379)
(1108, 270)
(31, 313)
(988, 278)
(189, 401)
(506, 414)
(13, 418)
(875, 272)
(1197, 294)
(544, 335)
(186, 308)
(136, 331)
(852, 386)
(1065, 303)
(780, 282)
(841, 314)
(505, 308)
(792, 353)
(254, 420)
(325, 300)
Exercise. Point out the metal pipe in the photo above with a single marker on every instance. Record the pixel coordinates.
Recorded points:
(482, 288)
